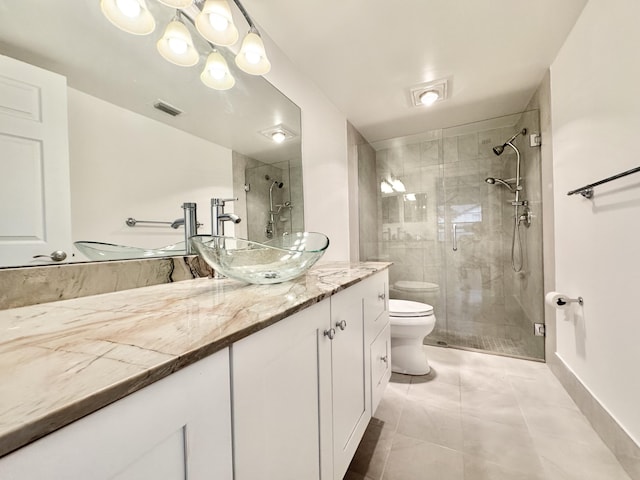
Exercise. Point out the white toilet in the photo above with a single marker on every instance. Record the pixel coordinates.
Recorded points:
(410, 323)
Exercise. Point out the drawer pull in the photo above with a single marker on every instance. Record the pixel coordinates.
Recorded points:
(342, 324)
(331, 333)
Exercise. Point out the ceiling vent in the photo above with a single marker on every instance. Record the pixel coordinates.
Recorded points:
(429, 93)
(166, 108)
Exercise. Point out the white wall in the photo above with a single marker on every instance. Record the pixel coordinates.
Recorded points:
(596, 120)
(324, 154)
(126, 165)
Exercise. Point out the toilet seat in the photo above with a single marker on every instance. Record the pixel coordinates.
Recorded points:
(414, 286)
(409, 309)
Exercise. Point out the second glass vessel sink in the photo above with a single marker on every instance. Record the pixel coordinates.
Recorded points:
(275, 261)
(110, 251)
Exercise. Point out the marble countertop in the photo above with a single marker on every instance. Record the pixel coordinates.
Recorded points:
(61, 361)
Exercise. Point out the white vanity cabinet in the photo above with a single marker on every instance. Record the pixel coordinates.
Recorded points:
(276, 376)
(302, 388)
(177, 428)
(351, 409)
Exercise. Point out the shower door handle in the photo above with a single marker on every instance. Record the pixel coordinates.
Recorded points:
(455, 237)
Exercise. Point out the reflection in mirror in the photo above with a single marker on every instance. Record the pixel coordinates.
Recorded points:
(127, 159)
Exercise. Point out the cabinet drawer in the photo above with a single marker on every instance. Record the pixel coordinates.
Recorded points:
(376, 301)
(380, 365)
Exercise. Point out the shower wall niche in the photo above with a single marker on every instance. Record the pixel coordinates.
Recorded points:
(449, 232)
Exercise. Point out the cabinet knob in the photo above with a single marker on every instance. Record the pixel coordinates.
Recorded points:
(342, 324)
(385, 359)
(382, 296)
(331, 333)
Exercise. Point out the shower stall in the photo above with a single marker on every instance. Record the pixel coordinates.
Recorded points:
(459, 215)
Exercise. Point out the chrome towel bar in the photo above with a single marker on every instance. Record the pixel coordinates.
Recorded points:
(132, 222)
(587, 190)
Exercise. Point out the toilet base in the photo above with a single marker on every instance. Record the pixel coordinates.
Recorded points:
(408, 357)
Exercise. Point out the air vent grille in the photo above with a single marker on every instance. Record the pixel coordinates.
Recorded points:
(166, 108)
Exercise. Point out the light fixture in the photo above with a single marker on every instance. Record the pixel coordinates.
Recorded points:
(398, 186)
(177, 3)
(426, 94)
(252, 58)
(215, 23)
(216, 73)
(278, 133)
(385, 187)
(278, 136)
(176, 45)
(132, 16)
(429, 97)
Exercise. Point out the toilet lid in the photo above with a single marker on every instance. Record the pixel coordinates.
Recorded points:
(408, 308)
(413, 286)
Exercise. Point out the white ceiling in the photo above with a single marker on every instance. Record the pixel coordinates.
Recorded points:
(366, 54)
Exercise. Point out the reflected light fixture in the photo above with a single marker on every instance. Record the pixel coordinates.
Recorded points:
(398, 186)
(216, 73)
(252, 58)
(385, 187)
(278, 133)
(177, 3)
(132, 16)
(176, 45)
(215, 23)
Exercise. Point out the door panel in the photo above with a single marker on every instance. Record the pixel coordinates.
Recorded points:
(35, 212)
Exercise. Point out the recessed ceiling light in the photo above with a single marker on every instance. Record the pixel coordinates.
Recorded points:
(429, 97)
(278, 133)
(428, 93)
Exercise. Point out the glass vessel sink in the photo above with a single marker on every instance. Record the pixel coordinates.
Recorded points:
(275, 261)
(109, 251)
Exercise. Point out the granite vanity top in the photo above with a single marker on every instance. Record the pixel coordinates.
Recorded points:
(61, 361)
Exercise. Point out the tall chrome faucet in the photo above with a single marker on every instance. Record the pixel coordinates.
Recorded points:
(218, 216)
(190, 225)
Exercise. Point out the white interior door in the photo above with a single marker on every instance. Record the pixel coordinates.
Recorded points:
(35, 212)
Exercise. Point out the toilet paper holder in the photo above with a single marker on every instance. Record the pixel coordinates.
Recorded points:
(563, 301)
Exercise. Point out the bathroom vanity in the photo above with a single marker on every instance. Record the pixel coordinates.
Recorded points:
(198, 379)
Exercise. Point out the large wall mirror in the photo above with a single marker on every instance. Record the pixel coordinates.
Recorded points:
(123, 158)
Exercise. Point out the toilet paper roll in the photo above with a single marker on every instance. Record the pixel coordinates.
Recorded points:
(557, 300)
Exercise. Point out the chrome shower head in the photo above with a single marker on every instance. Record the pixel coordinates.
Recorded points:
(498, 149)
(493, 181)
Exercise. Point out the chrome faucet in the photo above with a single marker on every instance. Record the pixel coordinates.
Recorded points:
(190, 223)
(218, 216)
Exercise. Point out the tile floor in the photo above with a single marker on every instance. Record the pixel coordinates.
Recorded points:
(480, 417)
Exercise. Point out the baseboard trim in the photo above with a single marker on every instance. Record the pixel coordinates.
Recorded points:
(612, 433)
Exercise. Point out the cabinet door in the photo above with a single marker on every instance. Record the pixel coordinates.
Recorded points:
(350, 376)
(177, 428)
(276, 398)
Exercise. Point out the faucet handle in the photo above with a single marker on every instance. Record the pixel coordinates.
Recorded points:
(219, 202)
